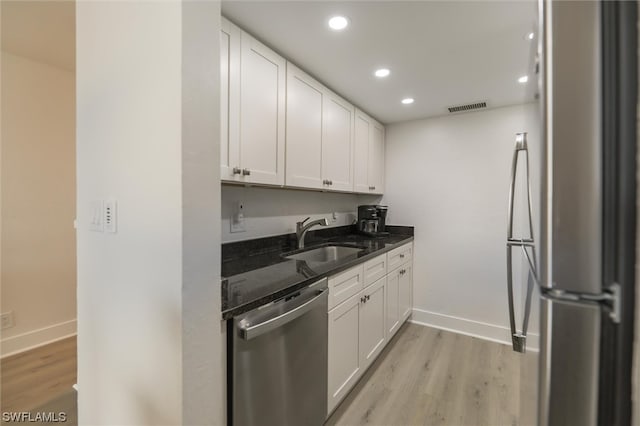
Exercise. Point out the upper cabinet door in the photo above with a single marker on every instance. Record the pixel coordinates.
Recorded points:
(262, 110)
(362, 129)
(337, 143)
(376, 159)
(304, 130)
(229, 100)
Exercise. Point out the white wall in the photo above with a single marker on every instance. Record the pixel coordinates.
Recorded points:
(38, 202)
(149, 341)
(203, 333)
(449, 177)
(270, 211)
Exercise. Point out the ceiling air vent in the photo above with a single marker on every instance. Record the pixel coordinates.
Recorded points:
(468, 107)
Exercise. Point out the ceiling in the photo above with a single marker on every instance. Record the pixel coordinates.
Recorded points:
(439, 53)
(40, 30)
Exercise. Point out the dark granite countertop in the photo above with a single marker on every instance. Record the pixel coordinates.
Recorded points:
(255, 272)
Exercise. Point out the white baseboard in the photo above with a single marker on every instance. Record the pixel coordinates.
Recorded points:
(36, 338)
(481, 330)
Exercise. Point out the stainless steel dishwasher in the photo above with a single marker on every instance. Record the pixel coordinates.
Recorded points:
(279, 364)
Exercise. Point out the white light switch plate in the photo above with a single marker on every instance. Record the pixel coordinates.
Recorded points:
(110, 216)
(96, 223)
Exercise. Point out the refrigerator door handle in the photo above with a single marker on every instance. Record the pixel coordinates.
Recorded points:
(518, 339)
(609, 298)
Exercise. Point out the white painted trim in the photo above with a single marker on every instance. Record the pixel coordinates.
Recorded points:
(33, 339)
(481, 330)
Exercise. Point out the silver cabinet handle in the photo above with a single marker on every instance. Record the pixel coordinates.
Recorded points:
(246, 172)
(236, 170)
(330, 182)
(367, 297)
(402, 256)
(297, 309)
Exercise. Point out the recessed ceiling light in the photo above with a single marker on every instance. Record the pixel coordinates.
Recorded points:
(338, 23)
(523, 79)
(530, 36)
(407, 101)
(382, 72)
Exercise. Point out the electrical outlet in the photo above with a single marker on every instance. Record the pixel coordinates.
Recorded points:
(7, 320)
(237, 220)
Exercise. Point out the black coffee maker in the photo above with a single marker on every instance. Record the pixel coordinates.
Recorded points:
(372, 220)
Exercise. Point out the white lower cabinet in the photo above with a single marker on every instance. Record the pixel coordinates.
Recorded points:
(356, 337)
(405, 291)
(399, 297)
(343, 350)
(361, 326)
(393, 308)
(372, 335)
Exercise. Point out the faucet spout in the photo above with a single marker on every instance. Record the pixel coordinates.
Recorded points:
(301, 229)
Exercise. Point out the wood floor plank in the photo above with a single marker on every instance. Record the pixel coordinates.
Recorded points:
(38, 376)
(433, 377)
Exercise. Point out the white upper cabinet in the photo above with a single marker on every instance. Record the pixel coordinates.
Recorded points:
(229, 100)
(337, 146)
(304, 130)
(262, 109)
(376, 159)
(362, 129)
(319, 135)
(253, 109)
(368, 155)
(323, 143)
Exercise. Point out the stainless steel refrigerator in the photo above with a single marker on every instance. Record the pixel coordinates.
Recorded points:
(578, 242)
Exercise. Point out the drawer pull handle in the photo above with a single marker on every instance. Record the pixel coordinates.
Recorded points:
(246, 172)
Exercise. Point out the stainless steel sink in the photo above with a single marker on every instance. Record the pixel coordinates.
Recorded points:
(325, 254)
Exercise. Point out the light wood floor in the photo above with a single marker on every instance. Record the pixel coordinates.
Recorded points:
(38, 376)
(424, 377)
(432, 377)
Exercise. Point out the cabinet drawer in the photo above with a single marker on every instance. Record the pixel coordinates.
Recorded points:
(375, 269)
(397, 257)
(345, 285)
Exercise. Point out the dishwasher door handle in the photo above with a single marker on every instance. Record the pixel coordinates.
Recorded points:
(248, 332)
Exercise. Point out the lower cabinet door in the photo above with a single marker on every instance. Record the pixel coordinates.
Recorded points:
(405, 291)
(372, 322)
(392, 320)
(343, 350)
